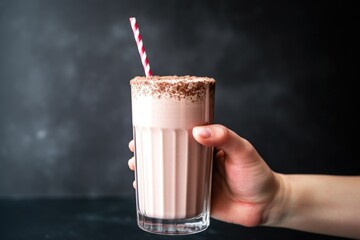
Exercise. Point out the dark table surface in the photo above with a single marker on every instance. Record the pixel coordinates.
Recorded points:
(108, 219)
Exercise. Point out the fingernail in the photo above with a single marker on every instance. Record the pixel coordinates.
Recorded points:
(203, 132)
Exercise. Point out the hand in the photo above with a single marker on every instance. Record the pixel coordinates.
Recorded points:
(246, 191)
(243, 185)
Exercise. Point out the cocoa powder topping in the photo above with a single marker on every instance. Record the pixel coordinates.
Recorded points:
(173, 87)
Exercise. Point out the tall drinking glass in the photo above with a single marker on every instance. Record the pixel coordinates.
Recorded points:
(173, 171)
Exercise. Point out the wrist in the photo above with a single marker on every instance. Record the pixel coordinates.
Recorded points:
(278, 209)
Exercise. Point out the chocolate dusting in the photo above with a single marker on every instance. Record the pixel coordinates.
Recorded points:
(173, 87)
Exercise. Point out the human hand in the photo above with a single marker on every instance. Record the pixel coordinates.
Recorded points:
(244, 187)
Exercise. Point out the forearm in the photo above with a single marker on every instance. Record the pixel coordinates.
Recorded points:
(318, 203)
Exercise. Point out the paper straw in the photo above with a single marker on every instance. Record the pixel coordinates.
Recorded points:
(140, 45)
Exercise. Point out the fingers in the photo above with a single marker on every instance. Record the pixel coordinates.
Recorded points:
(223, 138)
(131, 146)
(220, 154)
(131, 163)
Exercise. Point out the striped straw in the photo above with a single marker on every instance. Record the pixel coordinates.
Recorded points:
(140, 45)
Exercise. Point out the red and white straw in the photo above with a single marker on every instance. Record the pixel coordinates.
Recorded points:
(140, 45)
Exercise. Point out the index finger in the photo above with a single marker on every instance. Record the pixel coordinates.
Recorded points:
(131, 146)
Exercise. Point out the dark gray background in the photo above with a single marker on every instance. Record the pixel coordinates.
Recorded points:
(285, 72)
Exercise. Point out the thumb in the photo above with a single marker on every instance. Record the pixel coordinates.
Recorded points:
(221, 137)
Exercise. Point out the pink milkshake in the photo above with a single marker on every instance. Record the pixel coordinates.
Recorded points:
(173, 171)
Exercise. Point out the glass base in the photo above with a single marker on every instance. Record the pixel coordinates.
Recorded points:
(174, 226)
